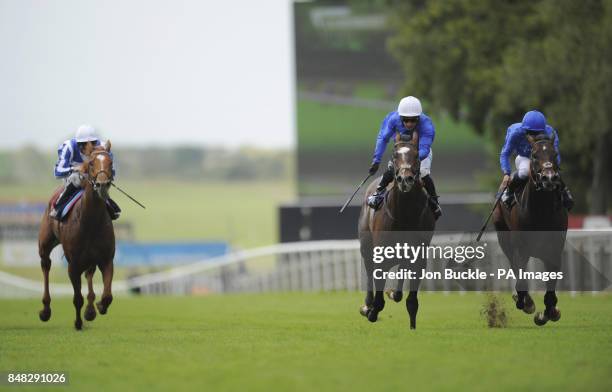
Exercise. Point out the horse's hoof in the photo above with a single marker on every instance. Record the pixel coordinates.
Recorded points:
(101, 308)
(529, 307)
(90, 313)
(413, 327)
(394, 295)
(44, 314)
(540, 319)
(519, 304)
(372, 315)
(555, 315)
(78, 325)
(363, 310)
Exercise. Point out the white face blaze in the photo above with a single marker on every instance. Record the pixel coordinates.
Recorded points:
(403, 150)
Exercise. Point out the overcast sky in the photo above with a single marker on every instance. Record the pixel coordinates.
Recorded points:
(147, 72)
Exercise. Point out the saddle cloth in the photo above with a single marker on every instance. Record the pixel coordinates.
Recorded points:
(68, 206)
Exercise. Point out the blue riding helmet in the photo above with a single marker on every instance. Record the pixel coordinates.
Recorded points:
(534, 121)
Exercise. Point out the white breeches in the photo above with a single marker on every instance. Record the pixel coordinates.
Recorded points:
(426, 164)
(522, 166)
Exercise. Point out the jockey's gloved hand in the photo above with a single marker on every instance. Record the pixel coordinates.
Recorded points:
(75, 179)
(374, 168)
(505, 180)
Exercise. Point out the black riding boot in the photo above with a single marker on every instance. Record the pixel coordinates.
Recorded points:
(509, 197)
(433, 196)
(376, 199)
(566, 197)
(113, 209)
(70, 190)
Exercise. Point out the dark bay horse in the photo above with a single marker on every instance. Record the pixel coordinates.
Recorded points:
(87, 238)
(404, 216)
(536, 226)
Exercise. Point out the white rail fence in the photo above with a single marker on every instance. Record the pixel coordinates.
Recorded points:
(318, 266)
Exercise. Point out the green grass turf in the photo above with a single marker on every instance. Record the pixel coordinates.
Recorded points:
(306, 342)
(340, 127)
(241, 213)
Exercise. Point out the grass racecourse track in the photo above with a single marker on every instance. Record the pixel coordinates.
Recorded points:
(310, 342)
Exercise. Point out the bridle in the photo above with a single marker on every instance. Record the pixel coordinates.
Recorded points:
(92, 178)
(536, 175)
(416, 171)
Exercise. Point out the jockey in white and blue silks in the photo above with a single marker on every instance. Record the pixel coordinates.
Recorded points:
(408, 117)
(534, 123)
(71, 154)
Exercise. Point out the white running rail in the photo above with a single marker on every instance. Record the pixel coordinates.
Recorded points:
(300, 266)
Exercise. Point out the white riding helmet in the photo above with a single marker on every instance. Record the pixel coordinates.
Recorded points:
(409, 107)
(86, 133)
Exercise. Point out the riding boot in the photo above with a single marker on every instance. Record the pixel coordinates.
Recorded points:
(433, 196)
(566, 197)
(113, 209)
(377, 197)
(509, 197)
(69, 191)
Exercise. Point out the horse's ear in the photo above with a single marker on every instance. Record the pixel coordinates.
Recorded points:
(398, 137)
(107, 145)
(415, 138)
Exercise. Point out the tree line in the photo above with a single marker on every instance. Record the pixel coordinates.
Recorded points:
(29, 164)
(488, 62)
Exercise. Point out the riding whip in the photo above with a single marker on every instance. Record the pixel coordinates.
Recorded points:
(354, 193)
(131, 198)
(484, 226)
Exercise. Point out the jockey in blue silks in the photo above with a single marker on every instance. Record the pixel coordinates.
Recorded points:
(408, 117)
(71, 154)
(534, 123)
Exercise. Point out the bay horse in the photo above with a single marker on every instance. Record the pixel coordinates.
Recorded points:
(403, 216)
(535, 226)
(86, 235)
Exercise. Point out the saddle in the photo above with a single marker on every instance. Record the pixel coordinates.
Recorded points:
(64, 209)
(113, 209)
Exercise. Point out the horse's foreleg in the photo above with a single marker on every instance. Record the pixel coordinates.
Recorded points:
(412, 305)
(397, 294)
(46, 243)
(378, 303)
(522, 298)
(368, 267)
(107, 296)
(412, 301)
(75, 279)
(90, 310)
(45, 265)
(377, 306)
(550, 301)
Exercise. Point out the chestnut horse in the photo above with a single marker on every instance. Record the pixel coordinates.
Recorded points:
(404, 216)
(87, 238)
(535, 226)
